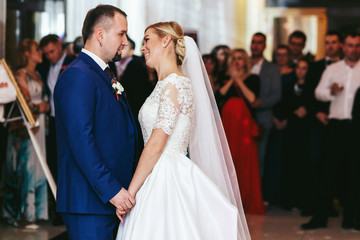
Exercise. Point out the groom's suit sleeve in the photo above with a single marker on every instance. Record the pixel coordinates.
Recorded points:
(75, 96)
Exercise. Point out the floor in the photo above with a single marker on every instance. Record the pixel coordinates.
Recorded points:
(285, 225)
(45, 232)
(276, 225)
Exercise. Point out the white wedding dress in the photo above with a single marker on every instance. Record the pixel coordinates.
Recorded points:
(177, 200)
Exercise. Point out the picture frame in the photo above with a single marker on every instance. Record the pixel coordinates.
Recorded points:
(19, 96)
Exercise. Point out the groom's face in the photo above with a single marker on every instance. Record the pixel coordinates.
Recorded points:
(115, 38)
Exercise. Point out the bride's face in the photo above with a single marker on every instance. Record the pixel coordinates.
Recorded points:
(152, 48)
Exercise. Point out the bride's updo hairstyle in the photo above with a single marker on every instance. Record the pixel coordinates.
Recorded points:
(177, 36)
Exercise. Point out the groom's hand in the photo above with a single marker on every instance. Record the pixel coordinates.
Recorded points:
(123, 200)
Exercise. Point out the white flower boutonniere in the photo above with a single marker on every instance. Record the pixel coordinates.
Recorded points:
(117, 88)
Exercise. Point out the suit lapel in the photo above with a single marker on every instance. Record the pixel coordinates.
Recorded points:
(93, 65)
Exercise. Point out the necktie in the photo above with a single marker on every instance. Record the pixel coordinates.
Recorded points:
(110, 74)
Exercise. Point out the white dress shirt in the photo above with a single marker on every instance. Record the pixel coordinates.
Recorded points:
(347, 77)
(256, 68)
(52, 78)
(97, 59)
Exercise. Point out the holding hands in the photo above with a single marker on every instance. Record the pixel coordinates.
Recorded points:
(123, 201)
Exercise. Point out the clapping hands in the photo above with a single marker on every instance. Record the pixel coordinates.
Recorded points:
(124, 202)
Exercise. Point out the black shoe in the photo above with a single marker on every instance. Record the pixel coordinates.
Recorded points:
(314, 224)
(357, 226)
(347, 224)
(306, 212)
(57, 221)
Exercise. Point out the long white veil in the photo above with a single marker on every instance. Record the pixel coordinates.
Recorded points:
(208, 145)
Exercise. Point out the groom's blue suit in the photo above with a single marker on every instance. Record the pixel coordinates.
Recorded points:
(97, 141)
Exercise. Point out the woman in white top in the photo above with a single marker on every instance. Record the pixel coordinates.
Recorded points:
(25, 199)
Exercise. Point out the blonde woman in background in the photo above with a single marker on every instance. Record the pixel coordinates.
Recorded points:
(25, 199)
(239, 90)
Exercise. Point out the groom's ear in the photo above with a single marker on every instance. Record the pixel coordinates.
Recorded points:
(99, 34)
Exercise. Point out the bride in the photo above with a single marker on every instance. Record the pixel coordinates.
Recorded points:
(179, 198)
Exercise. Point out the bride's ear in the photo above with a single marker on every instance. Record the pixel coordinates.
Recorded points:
(166, 40)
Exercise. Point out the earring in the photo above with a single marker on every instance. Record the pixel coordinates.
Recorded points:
(100, 44)
(164, 45)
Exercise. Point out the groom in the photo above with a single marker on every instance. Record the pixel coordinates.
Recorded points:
(97, 135)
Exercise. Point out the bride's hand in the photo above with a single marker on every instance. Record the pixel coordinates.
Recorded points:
(121, 214)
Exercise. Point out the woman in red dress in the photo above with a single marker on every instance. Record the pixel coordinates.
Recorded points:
(238, 90)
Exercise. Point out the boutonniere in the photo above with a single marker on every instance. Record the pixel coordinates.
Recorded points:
(117, 88)
(63, 67)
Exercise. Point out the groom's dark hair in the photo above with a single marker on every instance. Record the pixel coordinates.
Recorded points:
(100, 14)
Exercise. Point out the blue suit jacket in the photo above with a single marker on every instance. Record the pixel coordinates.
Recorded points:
(96, 139)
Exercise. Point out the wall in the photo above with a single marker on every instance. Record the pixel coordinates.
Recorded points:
(2, 27)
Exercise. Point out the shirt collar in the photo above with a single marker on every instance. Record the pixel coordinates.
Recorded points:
(97, 59)
(60, 62)
(260, 62)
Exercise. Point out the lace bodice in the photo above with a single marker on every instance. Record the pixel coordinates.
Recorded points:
(169, 107)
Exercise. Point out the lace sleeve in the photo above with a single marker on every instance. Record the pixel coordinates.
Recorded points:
(169, 108)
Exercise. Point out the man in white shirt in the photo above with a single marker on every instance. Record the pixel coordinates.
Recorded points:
(338, 85)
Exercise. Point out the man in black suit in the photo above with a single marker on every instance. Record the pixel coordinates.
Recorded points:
(296, 43)
(54, 63)
(319, 111)
(133, 75)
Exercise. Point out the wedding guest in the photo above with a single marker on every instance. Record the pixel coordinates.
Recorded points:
(354, 163)
(56, 60)
(69, 48)
(236, 94)
(296, 161)
(211, 66)
(319, 114)
(296, 42)
(221, 52)
(132, 73)
(338, 85)
(270, 92)
(78, 45)
(25, 199)
(275, 149)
